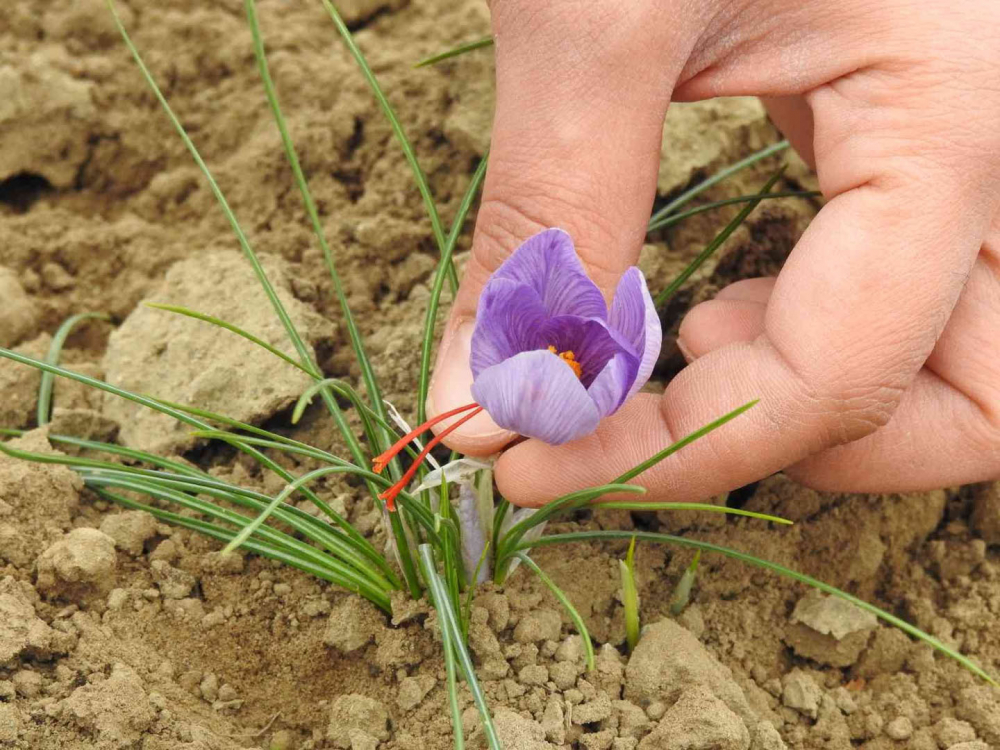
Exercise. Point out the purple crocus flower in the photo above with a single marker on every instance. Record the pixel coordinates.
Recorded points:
(549, 359)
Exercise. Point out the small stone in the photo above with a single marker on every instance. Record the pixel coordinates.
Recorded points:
(951, 731)
(655, 710)
(227, 693)
(829, 630)
(698, 721)
(356, 712)
(570, 650)
(974, 745)
(28, 684)
(117, 599)
(282, 589)
(79, 564)
(592, 711)
(564, 674)
(538, 625)
(516, 731)
(986, 512)
(210, 688)
(130, 530)
(173, 583)
(536, 674)
(283, 739)
(900, 728)
(165, 550)
(554, 722)
(20, 313)
(353, 624)
(9, 724)
(412, 691)
(632, 721)
(598, 740)
(801, 692)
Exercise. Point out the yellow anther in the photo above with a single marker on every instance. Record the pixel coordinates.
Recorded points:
(570, 359)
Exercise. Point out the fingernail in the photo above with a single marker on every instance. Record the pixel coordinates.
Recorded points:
(688, 356)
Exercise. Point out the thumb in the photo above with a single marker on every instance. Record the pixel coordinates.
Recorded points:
(576, 143)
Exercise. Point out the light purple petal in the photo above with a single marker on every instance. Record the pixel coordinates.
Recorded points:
(507, 323)
(537, 395)
(633, 316)
(548, 263)
(611, 386)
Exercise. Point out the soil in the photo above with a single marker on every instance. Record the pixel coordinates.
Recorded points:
(119, 632)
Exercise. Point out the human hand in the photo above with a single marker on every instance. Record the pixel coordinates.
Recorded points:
(876, 352)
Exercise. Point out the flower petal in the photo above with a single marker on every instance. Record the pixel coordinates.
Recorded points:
(633, 317)
(537, 395)
(507, 323)
(548, 263)
(611, 386)
(592, 344)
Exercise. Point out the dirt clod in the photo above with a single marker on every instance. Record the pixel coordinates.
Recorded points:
(354, 718)
(829, 630)
(698, 721)
(78, 566)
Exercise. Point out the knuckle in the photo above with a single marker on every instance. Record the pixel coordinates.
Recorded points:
(841, 408)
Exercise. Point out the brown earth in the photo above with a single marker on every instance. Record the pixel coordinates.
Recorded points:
(118, 632)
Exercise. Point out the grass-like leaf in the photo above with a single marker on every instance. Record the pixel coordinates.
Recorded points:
(398, 131)
(583, 536)
(716, 243)
(430, 319)
(448, 620)
(581, 626)
(232, 327)
(704, 507)
(669, 221)
(684, 441)
(716, 178)
(455, 51)
(44, 410)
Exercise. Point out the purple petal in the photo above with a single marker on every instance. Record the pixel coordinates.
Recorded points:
(537, 395)
(633, 317)
(611, 386)
(507, 323)
(592, 344)
(548, 263)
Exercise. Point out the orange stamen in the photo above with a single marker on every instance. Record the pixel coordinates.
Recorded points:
(382, 459)
(389, 496)
(570, 359)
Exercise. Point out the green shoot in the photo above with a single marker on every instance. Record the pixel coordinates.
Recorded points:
(630, 597)
(44, 411)
(455, 52)
(682, 592)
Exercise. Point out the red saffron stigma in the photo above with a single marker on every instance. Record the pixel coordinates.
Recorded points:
(389, 496)
(382, 459)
